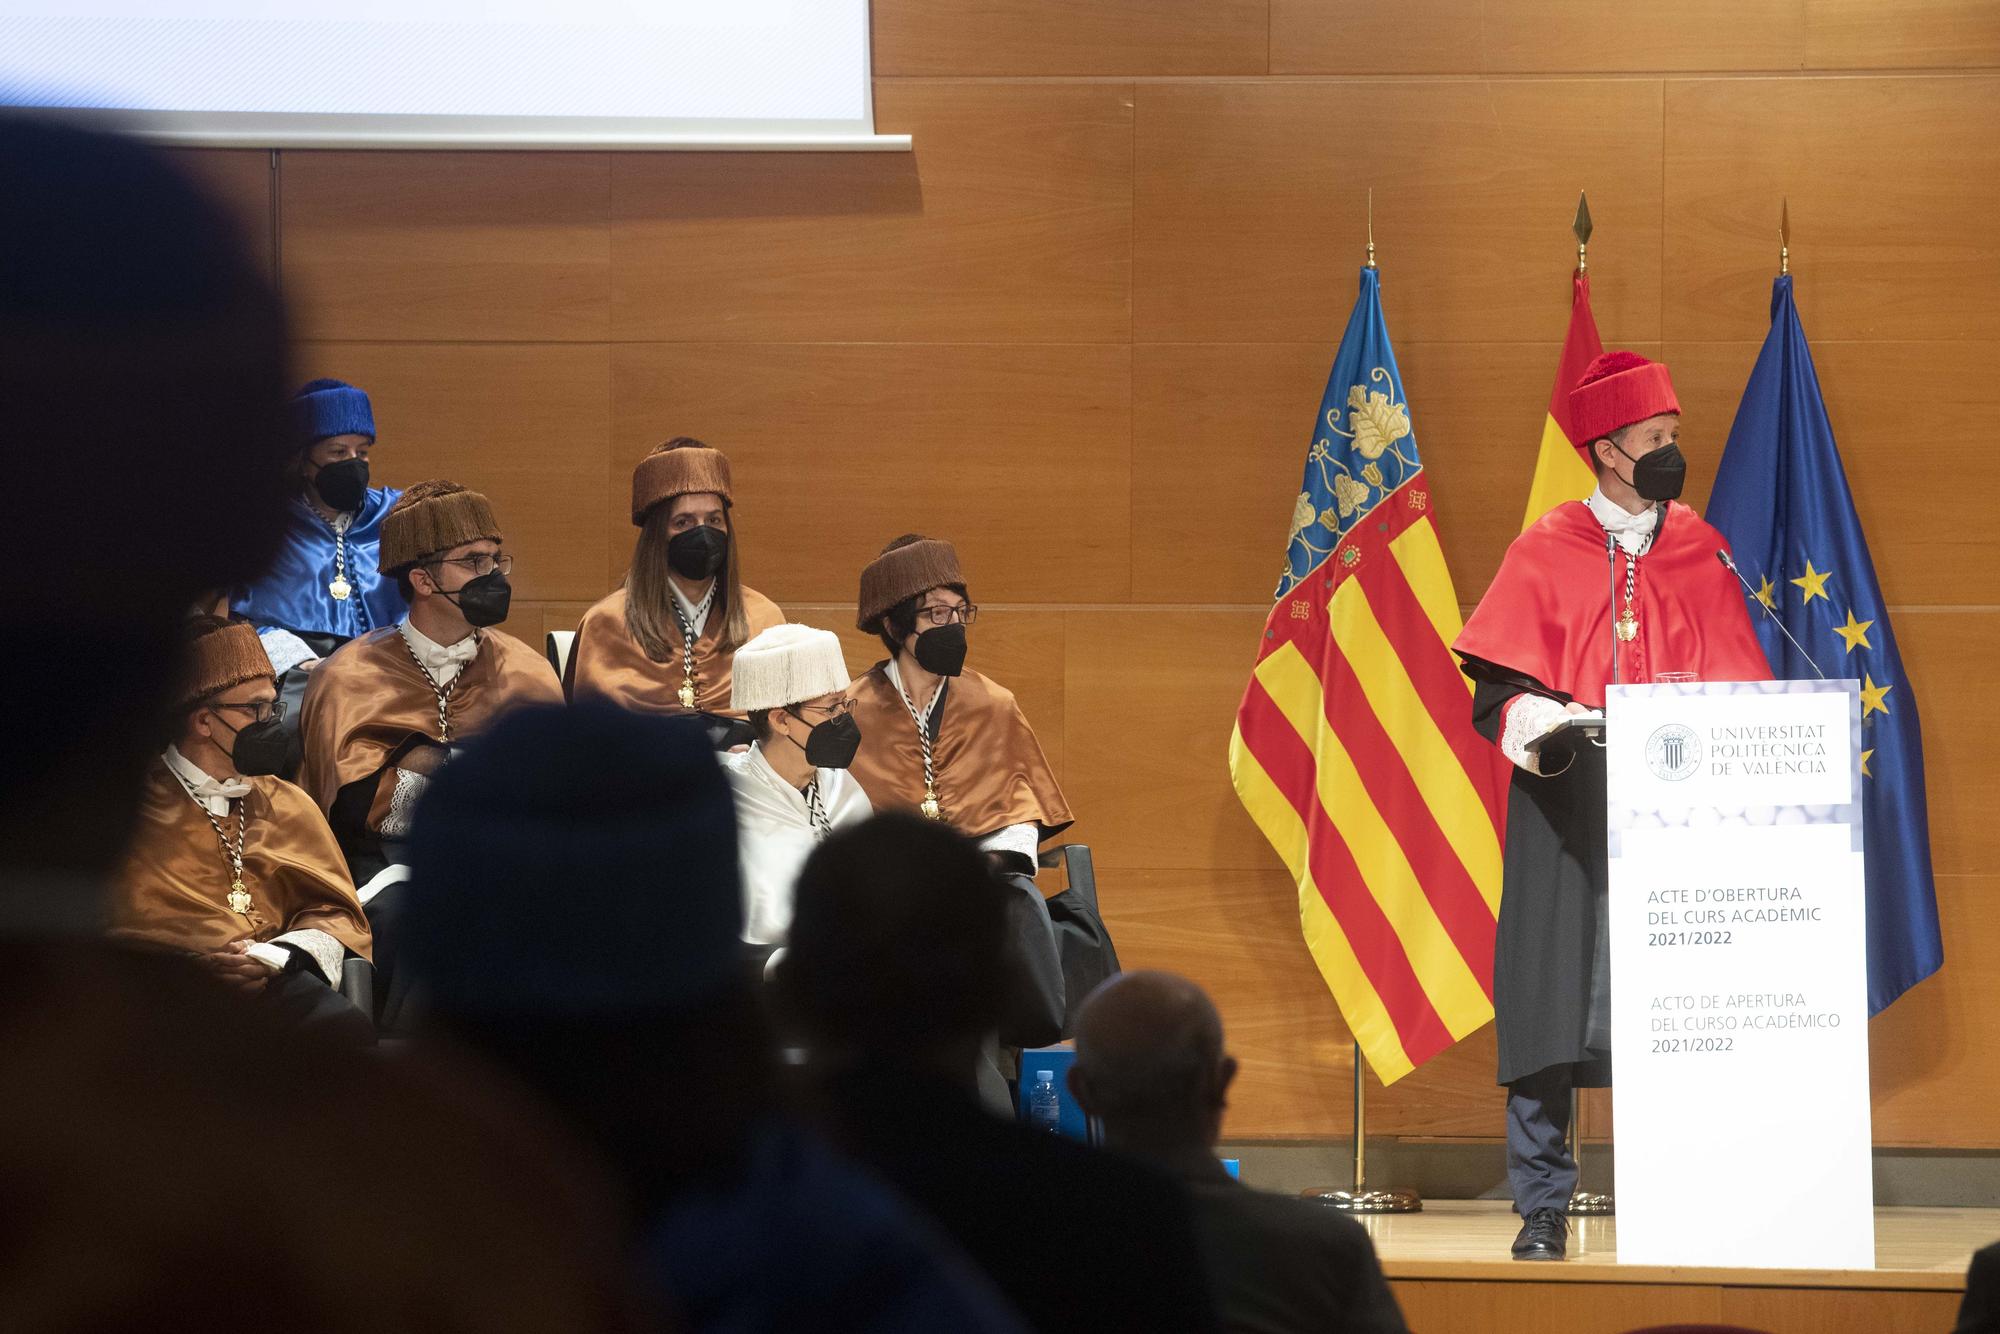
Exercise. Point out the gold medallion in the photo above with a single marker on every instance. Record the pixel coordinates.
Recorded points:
(930, 808)
(239, 899)
(340, 588)
(1628, 626)
(687, 694)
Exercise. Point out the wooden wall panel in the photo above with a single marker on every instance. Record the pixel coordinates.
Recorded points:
(1556, 36)
(1823, 1311)
(1871, 389)
(1082, 330)
(1931, 1053)
(447, 246)
(526, 424)
(1250, 207)
(1901, 34)
(1433, 1306)
(1610, 1308)
(241, 179)
(1017, 455)
(1010, 222)
(1164, 684)
(1949, 656)
(1077, 37)
(1222, 431)
(1891, 216)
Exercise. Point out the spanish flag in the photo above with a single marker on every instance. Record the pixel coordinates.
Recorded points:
(1354, 750)
(1561, 470)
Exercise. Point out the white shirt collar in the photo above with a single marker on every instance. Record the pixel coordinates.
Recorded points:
(1633, 531)
(695, 613)
(443, 661)
(210, 793)
(896, 679)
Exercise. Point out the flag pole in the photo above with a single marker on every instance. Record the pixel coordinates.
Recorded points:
(1784, 238)
(1362, 1200)
(1582, 1201)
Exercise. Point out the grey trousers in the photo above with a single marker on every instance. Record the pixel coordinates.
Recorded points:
(1540, 1168)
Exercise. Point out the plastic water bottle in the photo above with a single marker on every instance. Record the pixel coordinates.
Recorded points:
(1044, 1107)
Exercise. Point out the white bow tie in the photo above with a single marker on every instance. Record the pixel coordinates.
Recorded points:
(464, 651)
(229, 789)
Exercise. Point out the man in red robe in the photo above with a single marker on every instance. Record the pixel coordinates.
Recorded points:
(1621, 587)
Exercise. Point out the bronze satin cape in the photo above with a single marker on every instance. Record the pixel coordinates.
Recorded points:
(991, 772)
(608, 664)
(370, 697)
(174, 888)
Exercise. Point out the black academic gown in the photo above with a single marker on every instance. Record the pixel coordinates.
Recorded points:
(1551, 963)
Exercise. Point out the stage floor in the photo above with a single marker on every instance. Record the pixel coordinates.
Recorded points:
(1450, 1268)
(1914, 1248)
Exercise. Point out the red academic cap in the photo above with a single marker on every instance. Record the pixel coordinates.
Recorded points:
(1617, 389)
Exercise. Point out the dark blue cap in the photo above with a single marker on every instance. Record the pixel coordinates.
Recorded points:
(332, 407)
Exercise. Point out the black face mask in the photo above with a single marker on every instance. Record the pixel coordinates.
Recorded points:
(831, 744)
(265, 748)
(343, 485)
(942, 650)
(1659, 475)
(483, 601)
(698, 553)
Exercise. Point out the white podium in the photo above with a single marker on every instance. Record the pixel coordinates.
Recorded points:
(1739, 1006)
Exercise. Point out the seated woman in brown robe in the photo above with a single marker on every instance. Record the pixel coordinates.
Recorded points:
(946, 742)
(231, 864)
(665, 642)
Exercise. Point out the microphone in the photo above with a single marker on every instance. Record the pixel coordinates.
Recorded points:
(1730, 566)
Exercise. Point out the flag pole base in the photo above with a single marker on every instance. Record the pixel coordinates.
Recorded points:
(1589, 1202)
(1366, 1201)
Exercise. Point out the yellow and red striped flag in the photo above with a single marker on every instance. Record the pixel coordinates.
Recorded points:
(1561, 471)
(1354, 750)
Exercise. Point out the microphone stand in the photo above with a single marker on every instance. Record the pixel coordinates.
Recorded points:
(1583, 1201)
(1730, 566)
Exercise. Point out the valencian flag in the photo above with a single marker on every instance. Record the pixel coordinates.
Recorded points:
(1781, 498)
(1562, 471)
(1354, 750)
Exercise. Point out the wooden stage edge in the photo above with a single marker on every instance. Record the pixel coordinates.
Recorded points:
(1916, 1250)
(1450, 1271)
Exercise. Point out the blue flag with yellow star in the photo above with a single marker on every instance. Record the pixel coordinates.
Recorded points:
(1781, 498)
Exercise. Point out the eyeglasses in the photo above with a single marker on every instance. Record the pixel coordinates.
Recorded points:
(260, 711)
(479, 565)
(838, 709)
(964, 613)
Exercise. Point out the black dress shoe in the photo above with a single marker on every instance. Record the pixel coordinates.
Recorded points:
(1544, 1235)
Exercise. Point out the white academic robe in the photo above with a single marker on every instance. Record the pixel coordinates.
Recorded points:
(774, 836)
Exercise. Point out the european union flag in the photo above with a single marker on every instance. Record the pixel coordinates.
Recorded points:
(1781, 498)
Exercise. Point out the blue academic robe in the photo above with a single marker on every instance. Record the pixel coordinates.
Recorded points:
(293, 595)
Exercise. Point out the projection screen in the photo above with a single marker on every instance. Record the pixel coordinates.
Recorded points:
(639, 74)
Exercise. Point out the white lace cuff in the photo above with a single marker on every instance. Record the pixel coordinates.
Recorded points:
(326, 952)
(403, 804)
(1527, 717)
(1020, 839)
(285, 649)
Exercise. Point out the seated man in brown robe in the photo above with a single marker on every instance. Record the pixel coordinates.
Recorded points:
(384, 710)
(665, 641)
(230, 864)
(949, 744)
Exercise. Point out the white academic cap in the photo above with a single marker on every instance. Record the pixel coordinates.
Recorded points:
(784, 665)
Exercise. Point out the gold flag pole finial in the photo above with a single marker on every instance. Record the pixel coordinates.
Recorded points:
(1784, 238)
(1371, 227)
(1581, 227)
